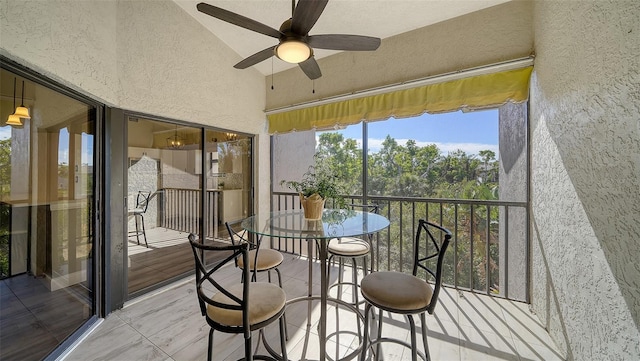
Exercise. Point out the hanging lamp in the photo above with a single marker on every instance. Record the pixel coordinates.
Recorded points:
(22, 111)
(14, 119)
(175, 141)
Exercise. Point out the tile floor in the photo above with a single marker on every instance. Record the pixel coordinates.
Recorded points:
(167, 325)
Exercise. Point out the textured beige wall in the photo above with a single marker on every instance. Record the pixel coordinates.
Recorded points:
(502, 32)
(292, 155)
(72, 42)
(585, 110)
(146, 56)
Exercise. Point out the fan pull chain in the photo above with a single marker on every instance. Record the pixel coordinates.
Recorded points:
(271, 73)
(313, 82)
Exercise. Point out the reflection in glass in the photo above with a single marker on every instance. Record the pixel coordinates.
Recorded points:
(163, 202)
(46, 229)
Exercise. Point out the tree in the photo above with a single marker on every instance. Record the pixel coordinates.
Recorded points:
(5, 208)
(343, 158)
(417, 171)
(5, 168)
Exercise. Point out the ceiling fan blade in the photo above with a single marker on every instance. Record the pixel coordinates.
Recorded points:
(238, 20)
(344, 42)
(311, 68)
(255, 58)
(306, 14)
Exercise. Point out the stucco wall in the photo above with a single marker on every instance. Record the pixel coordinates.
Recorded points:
(292, 155)
(146, 56)
(513, 187)
(585, 110)
(502, 32)
(72, 42)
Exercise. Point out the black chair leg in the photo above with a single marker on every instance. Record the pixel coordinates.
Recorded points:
(340, 277)
(284, 315)
(424, 336)
(144, 232)
(329, 265)
(135, 218)
(379, 333)
(210, 349)
(414, 349)
(248, 352)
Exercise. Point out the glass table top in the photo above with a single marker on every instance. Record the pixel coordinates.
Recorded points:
(334, 223)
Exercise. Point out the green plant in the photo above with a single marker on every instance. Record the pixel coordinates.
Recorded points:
(319, 180)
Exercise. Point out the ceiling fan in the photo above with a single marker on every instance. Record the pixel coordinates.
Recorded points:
(295, 44)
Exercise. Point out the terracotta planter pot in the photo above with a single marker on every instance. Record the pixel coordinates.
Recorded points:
(312, 205)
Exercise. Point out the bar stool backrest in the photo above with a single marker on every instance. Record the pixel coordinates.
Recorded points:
(142, 200)
(429, 255)
(205, 279)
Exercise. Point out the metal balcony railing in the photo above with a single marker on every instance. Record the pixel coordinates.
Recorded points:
(489, 253)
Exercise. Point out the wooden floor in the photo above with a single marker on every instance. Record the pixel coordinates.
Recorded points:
(168, 256)
(34, 320)
(167, 325)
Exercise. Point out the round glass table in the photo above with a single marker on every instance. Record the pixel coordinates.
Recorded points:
(335, 223)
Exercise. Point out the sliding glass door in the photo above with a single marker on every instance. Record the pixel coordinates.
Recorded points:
(174, 182)
(47, 217)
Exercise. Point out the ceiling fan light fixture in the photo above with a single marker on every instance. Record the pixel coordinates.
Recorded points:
(293, 51)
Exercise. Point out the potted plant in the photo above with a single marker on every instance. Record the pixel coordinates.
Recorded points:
(317, 185)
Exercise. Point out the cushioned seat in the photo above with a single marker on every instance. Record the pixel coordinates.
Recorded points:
(267, 259)
(348, 246)
(266, 301)
(352, 248)
(407, 294)
(395, 290)
(242, 307)
(259, 260)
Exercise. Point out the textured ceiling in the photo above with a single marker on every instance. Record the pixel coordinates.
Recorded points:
(379, 18)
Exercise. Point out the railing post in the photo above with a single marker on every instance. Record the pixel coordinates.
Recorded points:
(471, 227)
(487, 235)
(506, 252)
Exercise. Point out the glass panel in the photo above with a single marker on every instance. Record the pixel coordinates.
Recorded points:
(164, 182)
(228, 169)
(451, 155)
(341, 152)
(46, 229)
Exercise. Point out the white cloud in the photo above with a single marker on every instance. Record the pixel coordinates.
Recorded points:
(470, 148)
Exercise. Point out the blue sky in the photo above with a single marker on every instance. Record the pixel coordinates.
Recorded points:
(470, 132)
(5, 132)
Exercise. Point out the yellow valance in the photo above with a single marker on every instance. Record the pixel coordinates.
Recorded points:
(475, 92)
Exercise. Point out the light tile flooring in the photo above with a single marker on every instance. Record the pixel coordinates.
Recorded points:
(167, 325)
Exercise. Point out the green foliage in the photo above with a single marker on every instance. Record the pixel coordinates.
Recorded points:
(319, 179)
(409, 170)
(343, 159)
(5, 190)
(5, 167)
(425, 172)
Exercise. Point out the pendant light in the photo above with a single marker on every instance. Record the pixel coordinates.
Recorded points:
(22, 111)
(14, 119)
(175, 142)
